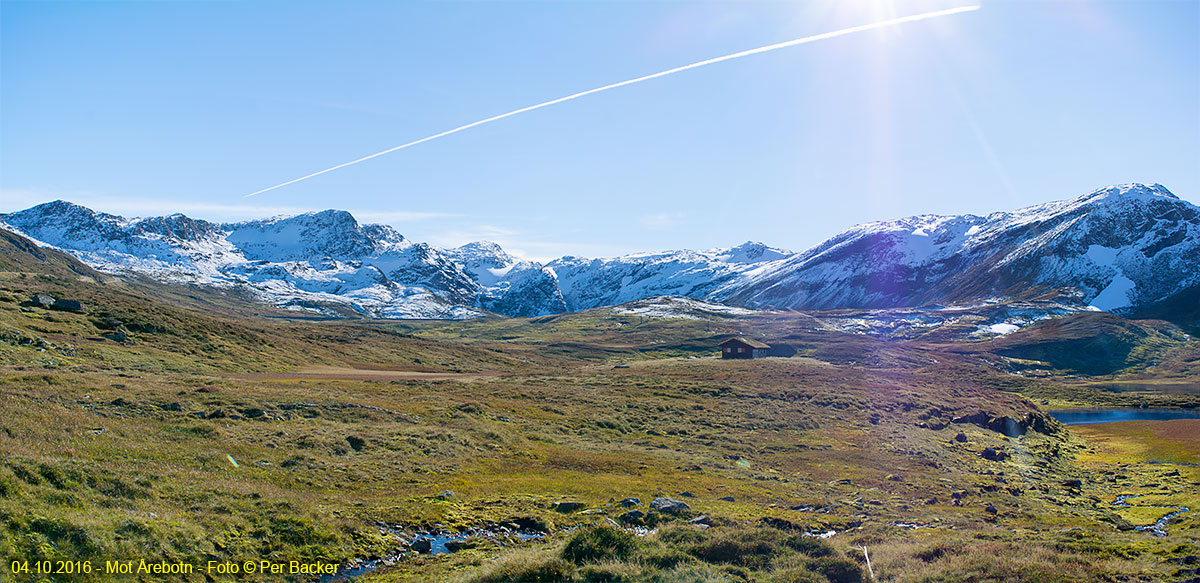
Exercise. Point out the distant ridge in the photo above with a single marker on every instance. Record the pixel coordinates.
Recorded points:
(1128, 249)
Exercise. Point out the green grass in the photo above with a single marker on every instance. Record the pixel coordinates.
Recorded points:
(122, 451)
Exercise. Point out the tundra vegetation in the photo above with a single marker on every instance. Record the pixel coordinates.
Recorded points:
(211, 428)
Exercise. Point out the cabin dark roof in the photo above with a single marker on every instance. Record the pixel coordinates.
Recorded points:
(746, 341)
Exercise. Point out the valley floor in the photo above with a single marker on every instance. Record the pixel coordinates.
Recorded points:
(335, 444)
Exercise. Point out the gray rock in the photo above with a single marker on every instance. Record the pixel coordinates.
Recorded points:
(726, 498)
(42, 300)
(993, 454)
(631, 502)
(357, 443)
(702, 519)
(454, 546)
(421, 545)
(443, 495)
(1072, 482)
(961, 437)
(633, 517)
(669, 505)
(68, 305)
(990, 509)
(568, 506)
(110, 323)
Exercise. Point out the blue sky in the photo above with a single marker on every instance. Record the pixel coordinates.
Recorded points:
(143, 108)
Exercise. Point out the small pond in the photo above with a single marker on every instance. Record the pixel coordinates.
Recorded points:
(1086, 415)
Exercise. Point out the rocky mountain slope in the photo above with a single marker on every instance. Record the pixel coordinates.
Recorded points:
(1128, 249)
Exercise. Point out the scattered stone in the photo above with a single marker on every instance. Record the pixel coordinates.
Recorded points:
(454, 546)
(892, 478)
(631, 502)
(172, 407)
(633, 516)
(216, 414)
(119, 402)
(994, 455)
(961, 437)
(42, 300)
(726, 498)
(668, 505)
(421, 545)
(990, 509)
(254, 413)
(1072, 483)
(932, 501)
(357, 443)
(570, 506)
(686, 494)
(531, 524)
(958, 494)
(443, 495)
(702, 519)
(68, 305)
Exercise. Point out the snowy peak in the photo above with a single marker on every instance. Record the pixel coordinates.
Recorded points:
(750, 252)
(1122, 248)
(1132, 190)
(330, 233)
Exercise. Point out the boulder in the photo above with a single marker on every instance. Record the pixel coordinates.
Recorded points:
(1072, 483)
(357, 443)
(726, 498)
(454, 546)
(669, 505)
(443, 495)
(68, 305)
(42, 300)
(633, 517)
(993, 454)
(568, 506)
(421, 545)
(961, 437)
(631, 502)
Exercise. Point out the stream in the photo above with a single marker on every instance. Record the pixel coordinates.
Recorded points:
(1159, 528)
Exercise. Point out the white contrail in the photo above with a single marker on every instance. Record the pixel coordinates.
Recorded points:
(746, 53)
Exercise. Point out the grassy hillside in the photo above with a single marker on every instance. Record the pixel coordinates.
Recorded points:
(210, 433)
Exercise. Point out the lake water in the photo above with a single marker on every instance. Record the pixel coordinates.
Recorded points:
(1086, 415)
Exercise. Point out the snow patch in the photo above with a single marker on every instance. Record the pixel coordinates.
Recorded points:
(1116, 295)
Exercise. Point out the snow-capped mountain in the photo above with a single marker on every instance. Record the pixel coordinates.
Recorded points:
(1121, 248)
(1117, 247)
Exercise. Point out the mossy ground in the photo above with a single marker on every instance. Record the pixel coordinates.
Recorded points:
(213, 436)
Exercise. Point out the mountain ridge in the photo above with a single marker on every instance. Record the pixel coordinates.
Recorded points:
(1124, 248)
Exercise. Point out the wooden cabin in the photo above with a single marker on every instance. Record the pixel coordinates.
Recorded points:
(742, 347)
